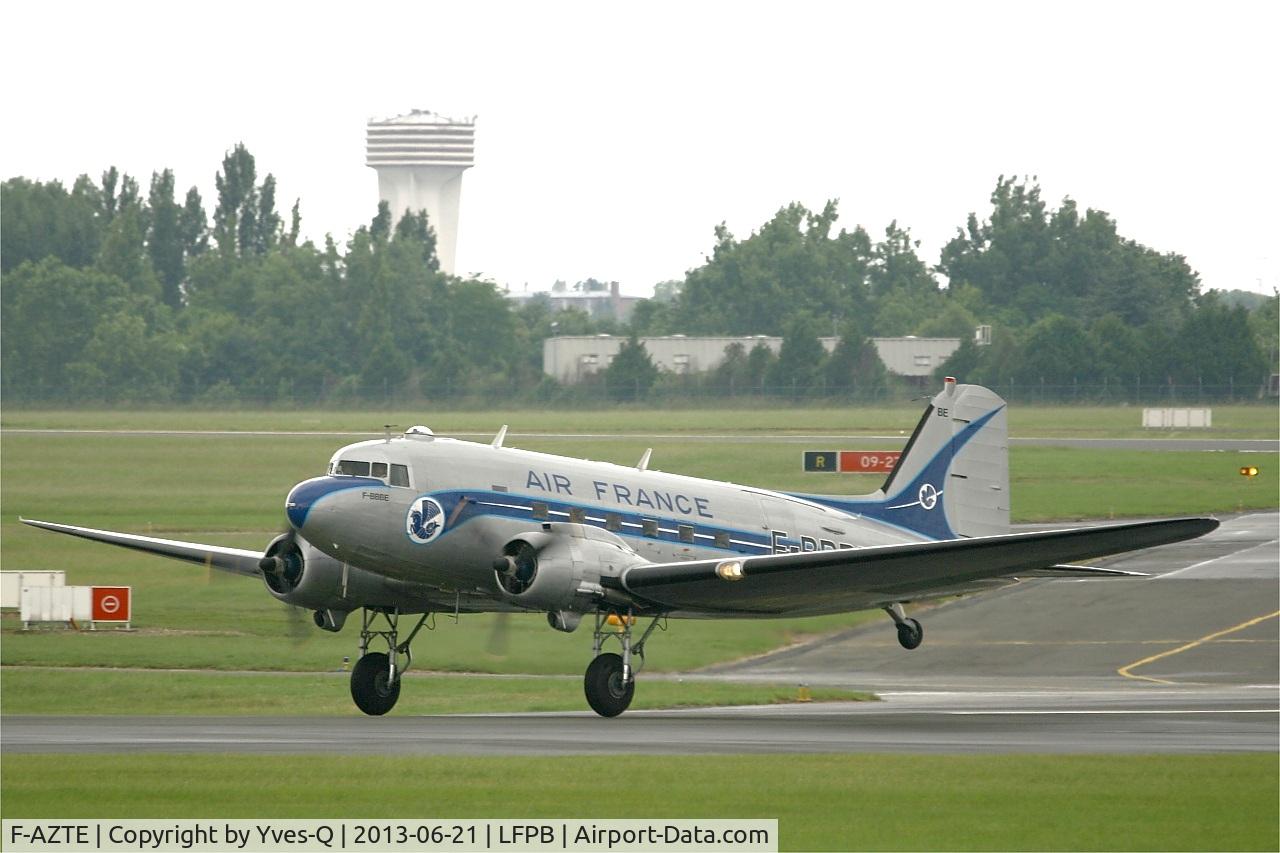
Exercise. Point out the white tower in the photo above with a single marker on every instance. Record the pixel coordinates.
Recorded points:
(420, 158)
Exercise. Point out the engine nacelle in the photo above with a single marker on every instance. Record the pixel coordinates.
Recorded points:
(559, 568)
(300, 574)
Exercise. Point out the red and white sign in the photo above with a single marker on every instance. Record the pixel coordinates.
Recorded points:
(112, 603)
(868, 461)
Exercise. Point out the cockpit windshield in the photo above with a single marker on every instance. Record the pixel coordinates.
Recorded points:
(391, 474)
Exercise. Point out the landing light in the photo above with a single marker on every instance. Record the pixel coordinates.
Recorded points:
(1249, 471)
(730, 570)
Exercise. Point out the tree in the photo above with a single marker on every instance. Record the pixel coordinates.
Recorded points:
(165, 243)
(193, 226)
(1056, 351)
(245, 221)
(895, 267)
(1032, 262)
(124, 253)
(855, 366)
(1216, 348)
(42, 220)
(794, 264)
(631, 373)
(800, 359)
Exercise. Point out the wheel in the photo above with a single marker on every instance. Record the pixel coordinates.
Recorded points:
(369, 687)
(910, 634)
(605, 692)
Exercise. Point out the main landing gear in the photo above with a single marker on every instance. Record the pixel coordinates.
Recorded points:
(910, 631)
(610, 681)
(375, 679)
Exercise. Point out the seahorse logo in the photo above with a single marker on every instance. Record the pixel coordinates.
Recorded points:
(425, 520)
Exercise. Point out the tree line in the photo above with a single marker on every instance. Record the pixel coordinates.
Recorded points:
(116, 295)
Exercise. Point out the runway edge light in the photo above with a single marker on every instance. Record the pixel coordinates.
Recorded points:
(1248, 470)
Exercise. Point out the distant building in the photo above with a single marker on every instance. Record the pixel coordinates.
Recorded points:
(420, 158)
(569, 359)
(599, 304)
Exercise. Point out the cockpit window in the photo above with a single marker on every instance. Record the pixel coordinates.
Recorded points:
(352, 468)
(379, 470)
(399, 476)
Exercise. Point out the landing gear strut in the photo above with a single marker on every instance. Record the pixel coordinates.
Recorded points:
(610, 681)
(375, 679)
(910, 631)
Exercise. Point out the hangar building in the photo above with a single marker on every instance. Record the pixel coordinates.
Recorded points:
(568, 359)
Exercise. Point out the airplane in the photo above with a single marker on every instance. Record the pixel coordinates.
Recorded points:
(418, 524)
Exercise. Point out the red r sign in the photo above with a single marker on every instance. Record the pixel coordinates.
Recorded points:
(111, 604)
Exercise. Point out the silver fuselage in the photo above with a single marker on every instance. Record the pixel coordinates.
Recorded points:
(481, 497)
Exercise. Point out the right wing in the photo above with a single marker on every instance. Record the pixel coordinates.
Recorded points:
(235, 560)
(859, 578)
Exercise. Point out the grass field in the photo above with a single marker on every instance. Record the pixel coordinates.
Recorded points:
(1235, 421)
(877, 802)
(78, 691)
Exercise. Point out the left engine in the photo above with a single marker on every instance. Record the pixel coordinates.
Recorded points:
(559, 568)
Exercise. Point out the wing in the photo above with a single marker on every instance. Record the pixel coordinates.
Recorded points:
(228, 559)
(832, 581)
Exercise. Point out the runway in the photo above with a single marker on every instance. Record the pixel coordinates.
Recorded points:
(1185, 661)
(1182, 721)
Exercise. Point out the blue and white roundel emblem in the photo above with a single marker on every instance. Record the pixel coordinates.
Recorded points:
(425, 520)
(928, 496)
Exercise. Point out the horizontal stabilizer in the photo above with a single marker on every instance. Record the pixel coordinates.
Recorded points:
(235, 560)
(1081, 572)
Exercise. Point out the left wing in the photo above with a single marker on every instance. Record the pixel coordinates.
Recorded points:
(236, 560)
(830, 581)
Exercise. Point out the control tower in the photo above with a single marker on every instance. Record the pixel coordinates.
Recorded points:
(420, 158)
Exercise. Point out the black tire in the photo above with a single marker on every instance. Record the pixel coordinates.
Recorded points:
(603, 685)
(910, 634)
(369, 687)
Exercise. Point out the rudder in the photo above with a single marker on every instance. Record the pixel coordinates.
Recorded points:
(952, 479)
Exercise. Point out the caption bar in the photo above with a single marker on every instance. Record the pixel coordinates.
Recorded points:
(391, 836)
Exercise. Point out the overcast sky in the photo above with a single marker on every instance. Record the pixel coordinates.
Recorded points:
(612, 137)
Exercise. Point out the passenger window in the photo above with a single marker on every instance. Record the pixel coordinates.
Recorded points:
(650, 527)
(352, 468)
(722, 539)
(540, 510)
(577, 516)
(613, 521)
(686, 533)
(380, 470)
(399, 476)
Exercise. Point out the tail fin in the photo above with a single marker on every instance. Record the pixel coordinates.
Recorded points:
(952, 479)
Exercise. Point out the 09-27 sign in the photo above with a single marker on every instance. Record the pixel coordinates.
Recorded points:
(851, 461)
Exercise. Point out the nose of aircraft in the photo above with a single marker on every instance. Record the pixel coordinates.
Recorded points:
(297, 505)
(304, 496)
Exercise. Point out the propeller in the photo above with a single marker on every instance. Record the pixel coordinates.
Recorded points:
(282, 564)
(499, 635)
(517, 566)
(300, 627)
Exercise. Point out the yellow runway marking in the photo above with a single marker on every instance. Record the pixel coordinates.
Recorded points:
(1127, 670)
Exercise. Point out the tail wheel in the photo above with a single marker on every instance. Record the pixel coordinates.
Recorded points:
(371, 686)
(606, 693)
(910, 634)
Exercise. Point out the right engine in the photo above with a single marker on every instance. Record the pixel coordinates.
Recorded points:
(300, 574)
